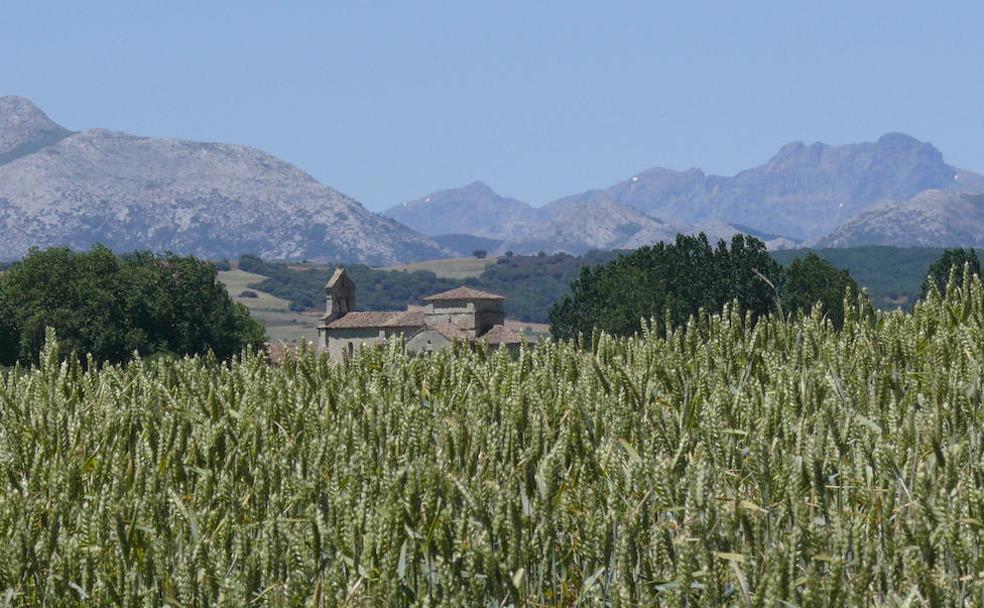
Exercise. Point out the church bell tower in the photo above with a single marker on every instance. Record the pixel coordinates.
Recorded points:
(339, 296)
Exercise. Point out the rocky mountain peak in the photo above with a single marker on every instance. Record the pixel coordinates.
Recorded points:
(473, 209)
(14, 108)
(209, 199)
(478, 187)
(900, 141)
(786, 153)
(891, 147)
(24, 128)
(932, 218)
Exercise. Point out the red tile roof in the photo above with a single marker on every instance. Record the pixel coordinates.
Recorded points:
(449, 331)
(500, 334)
(402, 318)
(407, 318)
(464, 293)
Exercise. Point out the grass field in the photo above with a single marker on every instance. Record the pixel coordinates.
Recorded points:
(237, 281)
(449, 268)
(282, 324)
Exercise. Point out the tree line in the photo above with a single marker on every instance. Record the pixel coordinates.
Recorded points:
(671, 282)
(112, 306)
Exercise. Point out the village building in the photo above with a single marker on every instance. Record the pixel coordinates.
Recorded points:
(461, 313)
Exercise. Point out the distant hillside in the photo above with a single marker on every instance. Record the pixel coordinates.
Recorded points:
(893, 276)
(930, 219)
(578, 228)
(803, 191)
(209, 199)
(466, 244)
(573, 228)
(473, 209)
(25, 129)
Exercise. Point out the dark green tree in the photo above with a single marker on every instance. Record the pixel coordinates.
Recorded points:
(112, 306)
(939, 272)
(668, 280)
(9, 337)
(812, 279)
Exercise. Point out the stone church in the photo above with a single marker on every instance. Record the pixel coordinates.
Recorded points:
(461, 313)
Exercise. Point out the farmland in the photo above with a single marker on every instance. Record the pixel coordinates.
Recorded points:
(449, 268)
(282, 324)
(721, 465)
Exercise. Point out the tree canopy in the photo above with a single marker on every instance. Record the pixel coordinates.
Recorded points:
(672, 279)
(939, 272)
(811, 280)
(112, 306)
(8, 333)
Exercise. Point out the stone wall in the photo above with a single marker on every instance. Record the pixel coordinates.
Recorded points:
(341, 343)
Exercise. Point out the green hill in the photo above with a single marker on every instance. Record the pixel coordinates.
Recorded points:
(892, 275)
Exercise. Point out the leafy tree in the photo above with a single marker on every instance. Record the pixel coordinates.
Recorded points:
(939, 272)
(112, 306)
(480, 253)
(673, 279)
(892, 276)
(9, 337)
(813, 279)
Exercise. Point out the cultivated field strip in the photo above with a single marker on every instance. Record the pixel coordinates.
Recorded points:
(781, 465)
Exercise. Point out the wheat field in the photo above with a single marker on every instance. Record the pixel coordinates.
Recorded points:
(785, 464)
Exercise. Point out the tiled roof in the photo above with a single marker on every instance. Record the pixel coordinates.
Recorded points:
(449, 331)
(464, 293)
(407, 318)
(400, 318)
(500, 334)
(361, 319)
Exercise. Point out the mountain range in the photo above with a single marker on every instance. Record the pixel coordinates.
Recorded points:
(574, 226)
(933, 218)
(59, 187)
(62, 187)
(800, 196)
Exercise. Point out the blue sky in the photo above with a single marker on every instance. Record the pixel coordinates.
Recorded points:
(387, 101)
